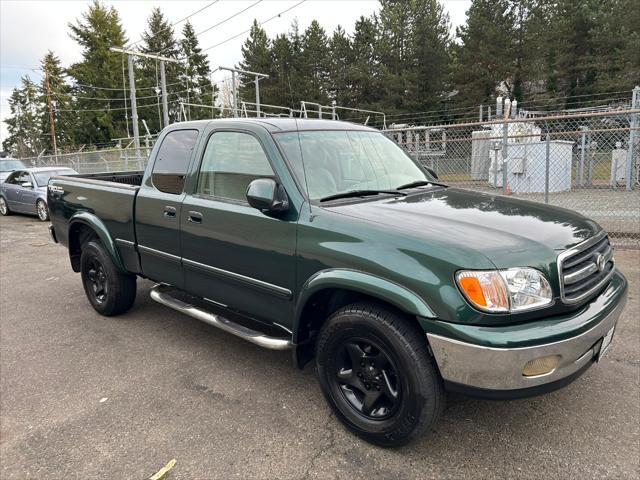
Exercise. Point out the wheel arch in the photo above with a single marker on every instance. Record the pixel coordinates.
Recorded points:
(84, 226)
(332, 289)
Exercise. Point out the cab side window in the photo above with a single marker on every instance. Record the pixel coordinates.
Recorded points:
(172, 161)
(231, 161)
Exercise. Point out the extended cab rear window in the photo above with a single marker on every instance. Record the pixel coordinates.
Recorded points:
(172, 162)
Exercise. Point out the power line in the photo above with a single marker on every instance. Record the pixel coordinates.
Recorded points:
(154, 105)
(175, 23)
(220, 22)
(248, 30)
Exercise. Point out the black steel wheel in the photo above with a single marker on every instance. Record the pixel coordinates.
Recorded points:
(110, 291)
(42, 210)
(375, 370)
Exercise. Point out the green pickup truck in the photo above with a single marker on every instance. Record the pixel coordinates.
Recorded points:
(325, 238)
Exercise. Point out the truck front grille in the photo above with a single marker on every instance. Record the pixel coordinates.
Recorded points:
(585, 269)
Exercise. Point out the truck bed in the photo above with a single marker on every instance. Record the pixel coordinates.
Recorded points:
(109, 196)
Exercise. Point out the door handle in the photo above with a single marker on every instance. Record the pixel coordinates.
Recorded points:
(194, 217)
(169, 211)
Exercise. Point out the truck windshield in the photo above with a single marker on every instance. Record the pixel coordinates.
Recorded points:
(347, 160)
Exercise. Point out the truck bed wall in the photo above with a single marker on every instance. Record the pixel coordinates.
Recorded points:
(111, 202)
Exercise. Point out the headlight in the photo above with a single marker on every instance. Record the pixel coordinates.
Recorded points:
(501, 291)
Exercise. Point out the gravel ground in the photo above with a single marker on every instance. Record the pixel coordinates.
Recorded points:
(82, 396)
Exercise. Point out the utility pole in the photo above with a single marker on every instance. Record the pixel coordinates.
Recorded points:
(165, 105)
(257, 78)
(132, 88)
(51, 124)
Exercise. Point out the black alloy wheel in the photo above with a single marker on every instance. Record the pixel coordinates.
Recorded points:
(375, 370)
(368, 379)
(109, 290)
(98, 280)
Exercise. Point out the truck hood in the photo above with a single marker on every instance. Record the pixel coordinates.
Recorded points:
(508, 231)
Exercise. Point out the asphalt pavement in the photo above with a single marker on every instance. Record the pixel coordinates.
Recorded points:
(83, 396)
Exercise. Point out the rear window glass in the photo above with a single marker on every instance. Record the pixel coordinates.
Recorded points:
(172, 162)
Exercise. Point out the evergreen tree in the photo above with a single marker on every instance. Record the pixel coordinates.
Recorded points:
(298, 77)
(315, 64)
(64, 119)
(280, 73)
(340, 63)
(484, 56)
(195, 75)
(429, 55)
(158, 39)
(100, 103)
(256, 57)
(24, 125)
(366, 90)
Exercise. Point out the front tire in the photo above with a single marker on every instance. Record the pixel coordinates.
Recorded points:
(375, 371)
(42, 210)
(4, 207)
(109, 291)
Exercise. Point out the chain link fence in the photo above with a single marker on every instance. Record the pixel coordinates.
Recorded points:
(588, 162)
(104, 160)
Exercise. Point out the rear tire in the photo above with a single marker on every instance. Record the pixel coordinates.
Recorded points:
(42, 210)
(375, 371)
(4, 207)
(109, 291)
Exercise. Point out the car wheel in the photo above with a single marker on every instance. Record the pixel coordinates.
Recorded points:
(110, 291)
(4, 208)
(375, 371)
(42, 210)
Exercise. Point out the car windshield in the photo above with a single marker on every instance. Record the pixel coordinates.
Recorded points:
(42, 178)
(10, 165)
(343, 161)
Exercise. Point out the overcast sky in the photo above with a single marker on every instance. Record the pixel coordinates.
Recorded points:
(29, 28)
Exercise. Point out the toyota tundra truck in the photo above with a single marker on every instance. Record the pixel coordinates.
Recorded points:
(326, 238)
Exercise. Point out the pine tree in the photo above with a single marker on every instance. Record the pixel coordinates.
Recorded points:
(340, 62)
(24, 126)
(158, 39)
(62, 103)
(484, 56)
(256, 57)
(429, 54)
(366, 90)
(315, 64)
(99, 77)
(280, 73)
(195, 75)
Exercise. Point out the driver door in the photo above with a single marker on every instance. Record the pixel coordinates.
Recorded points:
(233, 253)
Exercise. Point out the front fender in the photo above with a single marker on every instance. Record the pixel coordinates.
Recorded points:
(98, 226)
(372, 285)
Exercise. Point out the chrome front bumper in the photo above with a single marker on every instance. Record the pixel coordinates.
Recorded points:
(500, 369)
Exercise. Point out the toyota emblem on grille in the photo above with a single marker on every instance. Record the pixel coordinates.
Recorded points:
(600, 262)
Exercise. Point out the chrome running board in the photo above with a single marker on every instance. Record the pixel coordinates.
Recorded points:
(161, 294)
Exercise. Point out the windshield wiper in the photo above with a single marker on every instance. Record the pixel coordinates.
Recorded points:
(419, 183)
(359, 193)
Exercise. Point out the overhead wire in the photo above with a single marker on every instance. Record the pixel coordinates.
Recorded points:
(174, 23)
(217, 24)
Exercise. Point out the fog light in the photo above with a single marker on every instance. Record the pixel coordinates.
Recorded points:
(541, 366)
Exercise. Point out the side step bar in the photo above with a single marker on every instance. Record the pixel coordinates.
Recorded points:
(161, 294)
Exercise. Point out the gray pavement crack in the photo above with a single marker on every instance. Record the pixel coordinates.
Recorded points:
(330, 443)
